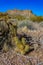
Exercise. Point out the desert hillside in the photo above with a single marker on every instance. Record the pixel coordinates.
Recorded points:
(21, 15)
(21, 38)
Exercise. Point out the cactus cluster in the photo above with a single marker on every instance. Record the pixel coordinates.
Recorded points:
(21, 45)
(9, 38)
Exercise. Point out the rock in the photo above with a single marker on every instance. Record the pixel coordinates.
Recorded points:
(41, 41)
(12, 58)
(35, 46)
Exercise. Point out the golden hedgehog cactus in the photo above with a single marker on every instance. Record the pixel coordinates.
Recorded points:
(21, 46)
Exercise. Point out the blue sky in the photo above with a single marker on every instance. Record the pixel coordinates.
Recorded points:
(35, 5)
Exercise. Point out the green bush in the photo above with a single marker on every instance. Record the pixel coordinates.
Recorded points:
(36, 18)
(19, 17)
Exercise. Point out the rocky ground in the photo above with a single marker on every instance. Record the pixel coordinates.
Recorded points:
(12, 58)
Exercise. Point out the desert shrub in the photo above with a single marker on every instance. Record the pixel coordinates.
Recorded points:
(41, 24)
(19, 17)
(36, 18)
(29, 24)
